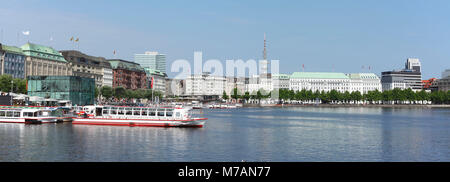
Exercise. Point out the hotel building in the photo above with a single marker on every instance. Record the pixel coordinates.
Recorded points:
(44, 61)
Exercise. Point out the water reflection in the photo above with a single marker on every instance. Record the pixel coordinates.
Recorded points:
(251, 134)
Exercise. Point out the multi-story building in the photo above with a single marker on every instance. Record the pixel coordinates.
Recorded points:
(364, 82)
(443, 84)
(12, 61)
(152, 60)
(205, 85)
(156, 80)
(321, 81)
(128, 74)
(280, 81)
(108, 77)
(175, 87)
(44, 61)
(234, 82)
(410, 77)
(79, 90)
(402, 79)
(88, 66)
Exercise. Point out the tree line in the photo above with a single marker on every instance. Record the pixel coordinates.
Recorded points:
(17, 85)
(396, 96)
(121, 93)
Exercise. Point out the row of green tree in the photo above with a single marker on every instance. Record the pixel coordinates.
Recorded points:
(120, 92)
(7, 82)
(396, 95)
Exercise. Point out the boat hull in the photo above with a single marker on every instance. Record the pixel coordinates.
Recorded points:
(29, 120)
(140, 122)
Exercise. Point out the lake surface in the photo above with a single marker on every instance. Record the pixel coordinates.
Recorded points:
(251, 134)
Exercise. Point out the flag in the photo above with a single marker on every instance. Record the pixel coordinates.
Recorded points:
(26, 32)
(151, 84)
(71, 39)
(77, 40)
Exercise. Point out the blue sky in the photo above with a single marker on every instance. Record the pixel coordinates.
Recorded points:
(339, 36)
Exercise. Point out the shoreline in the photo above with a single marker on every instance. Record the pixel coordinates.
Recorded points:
(347, 105)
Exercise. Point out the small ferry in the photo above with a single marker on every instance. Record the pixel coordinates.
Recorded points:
(139, 116)
(28, 115)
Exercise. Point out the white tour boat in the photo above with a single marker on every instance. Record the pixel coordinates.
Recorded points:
(28, 115)
(138, 116)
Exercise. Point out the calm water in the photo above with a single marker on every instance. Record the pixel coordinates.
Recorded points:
(261, 134)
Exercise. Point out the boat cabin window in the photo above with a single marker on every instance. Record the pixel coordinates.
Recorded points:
(105, 111)
(9, 113)
(152, 112)
(113, 111)
(16, 114)
(169, 112)
(28, 114)
(137, 111)
(121, 111)
(2, 114)
(177, 114)
(129, 112)
(144, 112)
(161, 112)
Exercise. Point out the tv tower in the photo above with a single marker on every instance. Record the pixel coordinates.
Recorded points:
(263, 63)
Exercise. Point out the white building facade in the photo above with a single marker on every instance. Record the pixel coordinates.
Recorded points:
(205, 85)
(321, 81)
(364, 82)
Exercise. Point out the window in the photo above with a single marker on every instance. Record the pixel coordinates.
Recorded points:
(105, 111)
(129, 112)
(2, 114)
(144, 112)
(152, 112)
(121, 111)
(27, 114)
(169, 112)
(177, 114)
(137, 112)
(160, 112)
(16, 114)
(9, 113)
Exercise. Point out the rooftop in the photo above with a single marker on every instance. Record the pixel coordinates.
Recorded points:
(319, 75)
(43, 52)
(123, 64)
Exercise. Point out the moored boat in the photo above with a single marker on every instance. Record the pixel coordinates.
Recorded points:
(139, 116)
(27, 115)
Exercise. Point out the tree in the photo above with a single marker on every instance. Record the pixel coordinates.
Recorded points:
(224, 95)
(235, 94)
(356, 95)
(119, 92)
(97, 92)
(106, 91)
(247, 96)
(5, 83)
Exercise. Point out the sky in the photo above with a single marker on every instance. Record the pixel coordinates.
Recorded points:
(330, 36)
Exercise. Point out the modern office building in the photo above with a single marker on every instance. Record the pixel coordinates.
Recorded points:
(79, 90)
(128, 74)
(12, 61)
(410, 77)
(364, 82)
(89, 67)
(44, 61)
(156, 80)
(152, 60)
(321, 81)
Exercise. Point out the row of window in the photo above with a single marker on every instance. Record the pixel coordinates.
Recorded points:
(139, 112)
